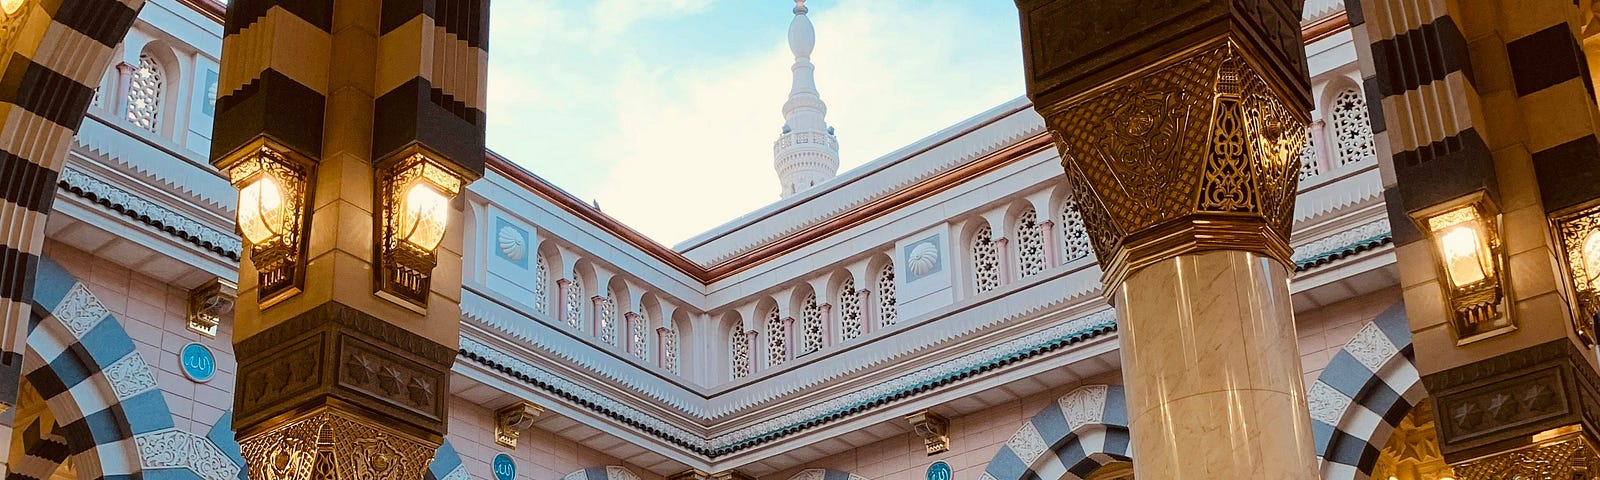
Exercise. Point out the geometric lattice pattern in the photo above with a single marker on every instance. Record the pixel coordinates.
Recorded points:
(144, 94)
(739, 352)
(1030, 244)
(1075, 238)
(886, 306)
(1309, 165)
(638, 330)
(608, 318)
(777, 349)
(1351, 127)
(669, 349)
(849, 306)
(574, 313)
(812, 315)
(985, 261)
(541, 284)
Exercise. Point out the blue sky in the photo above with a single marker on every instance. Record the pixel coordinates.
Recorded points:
(664, 111)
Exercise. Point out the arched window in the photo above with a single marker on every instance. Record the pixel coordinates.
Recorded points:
(608, 318)
(775, 338)
(739, 352)
(637, 332)
(811, 313)
(1030, 244)
(1351, 127)
(574, 313)
(541, 284)
(144, 94)
(1308, 157)
(1074, 237)
(849, 310)
(886, 307)
(985, 261)
(669, 349)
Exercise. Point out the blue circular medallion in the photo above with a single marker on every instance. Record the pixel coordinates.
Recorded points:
(198, 363)
(939, 471)
(504, 467)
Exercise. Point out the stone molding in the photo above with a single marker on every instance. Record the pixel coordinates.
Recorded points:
(335, 353)
(1498, 404)
(151, 213)
(797, 420)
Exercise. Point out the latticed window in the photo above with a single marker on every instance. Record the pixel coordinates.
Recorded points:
(541, 284)
(1351, 127)
(144, 94)
(739, 352)
(1074, 236)
(1030, 244)
(638, 332)
(1308, 157)
(886, 307)
(608, 318)
(811, 314)
(574, 313)
(849, 310)
(985, 261)
(669, 349)
(775, 338)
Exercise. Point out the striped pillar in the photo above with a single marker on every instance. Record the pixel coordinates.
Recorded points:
(48, 74)
(361, 96)
(1493, 99)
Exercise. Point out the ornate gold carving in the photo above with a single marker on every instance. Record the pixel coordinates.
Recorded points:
(934, 430)
(405, 270)
(511, 420)
(1194, 153)
(330, 444)
(1412, 451)
(1569, 455)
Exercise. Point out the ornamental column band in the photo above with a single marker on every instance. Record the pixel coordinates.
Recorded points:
(1180, 125)
(349, 128)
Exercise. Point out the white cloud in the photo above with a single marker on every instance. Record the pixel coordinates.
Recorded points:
(694, 147)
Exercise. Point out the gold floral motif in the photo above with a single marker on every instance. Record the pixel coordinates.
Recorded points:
(1195, 153)
(330, 444)
(1565, 458)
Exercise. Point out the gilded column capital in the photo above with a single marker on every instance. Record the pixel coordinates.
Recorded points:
(1196, 152)
(332, 444)
(1563, 454)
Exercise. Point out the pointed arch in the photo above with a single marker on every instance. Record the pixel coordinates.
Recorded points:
(1071, 438)
(102, 392)
(1361, 396)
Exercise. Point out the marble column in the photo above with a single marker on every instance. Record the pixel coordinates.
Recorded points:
(1212, 368)
(1052, 245)
(124, 86)
(1002, 251)
(1180, 127)
(869, 316)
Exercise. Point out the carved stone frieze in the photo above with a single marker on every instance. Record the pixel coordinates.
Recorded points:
(331, 444)
(1503, 403)
(334, 353)
(1195, 153)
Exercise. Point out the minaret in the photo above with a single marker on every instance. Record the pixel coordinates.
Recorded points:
(806, 153)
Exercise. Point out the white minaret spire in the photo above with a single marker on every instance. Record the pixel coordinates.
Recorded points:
(806, 153)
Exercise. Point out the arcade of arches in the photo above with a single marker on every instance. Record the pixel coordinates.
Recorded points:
(1246, 239)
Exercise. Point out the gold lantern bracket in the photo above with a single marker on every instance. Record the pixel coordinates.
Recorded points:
(413, 197)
